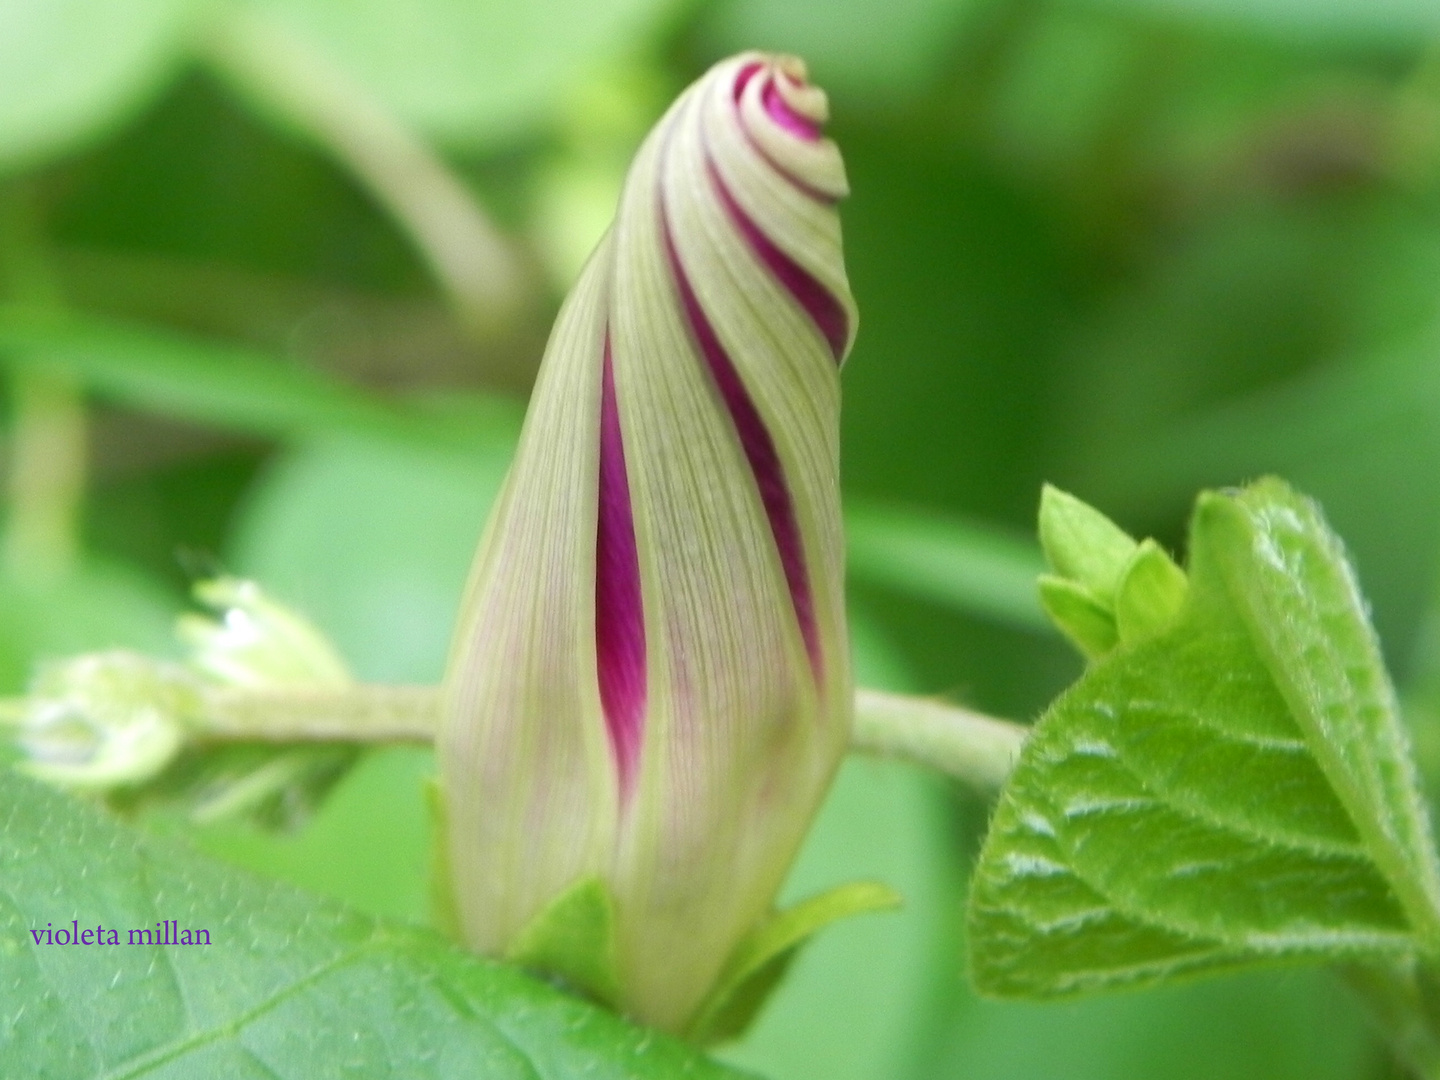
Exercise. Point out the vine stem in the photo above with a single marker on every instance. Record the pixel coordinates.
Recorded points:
(1401, 997)
(483, 274)
(45, 477)
(979, 750)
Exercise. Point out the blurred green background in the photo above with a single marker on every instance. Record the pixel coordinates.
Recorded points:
(277, 275)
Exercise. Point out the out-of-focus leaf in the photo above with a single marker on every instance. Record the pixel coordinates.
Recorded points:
(368, 844)
(372, 538)
(976, 568)
(289, 986)
(893, 47)
(1394, 19)
(1361, 434)
(472, 73)
(99, 605)
(160, 371)
(71, 68)
(1260, 1025)
(1235, 791)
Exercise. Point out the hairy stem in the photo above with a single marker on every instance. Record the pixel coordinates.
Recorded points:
(45, 481)
(976, 749)
(482, 273)
(366, 713)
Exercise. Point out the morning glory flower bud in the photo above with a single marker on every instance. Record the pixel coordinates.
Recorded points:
(650, 683)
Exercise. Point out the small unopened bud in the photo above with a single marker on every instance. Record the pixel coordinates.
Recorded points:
(106, 719)
(257, 643)
(1107, 590)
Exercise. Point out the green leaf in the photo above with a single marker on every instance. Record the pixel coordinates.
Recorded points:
(1396, 20)
(290, 986)
(471, 73)
(1087, 622)
(976, 568)
(70, 68)
(762, 958)
(1231, 791)
(574, 938)
(871, 47)
(1082, 544)
(164, 372)
(1301, 603)
(406, 517)
(101, 604)
(1150, 593)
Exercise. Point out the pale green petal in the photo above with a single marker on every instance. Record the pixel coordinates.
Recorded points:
(524, 761)
(742, 731)
(740, 743)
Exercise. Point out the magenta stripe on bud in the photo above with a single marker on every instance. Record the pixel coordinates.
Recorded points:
(818, 301)
(746, 74)
(780, 111)
(741, 81)
(759, 450)
(619, 607)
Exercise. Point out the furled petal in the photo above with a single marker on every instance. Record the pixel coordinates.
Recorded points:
(650, 683)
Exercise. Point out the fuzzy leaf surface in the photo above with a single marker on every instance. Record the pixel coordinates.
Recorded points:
(291, 986)
(1234, 790)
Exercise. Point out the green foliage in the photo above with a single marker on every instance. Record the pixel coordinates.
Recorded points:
(1393, 19)
(573, 939)
(972, 567)
(114, 53)
(1138, 247)
(99, 605)
(1107, 589)
(762, 958)
(491, 69)
(290, 985)
(373, 537)
(1081, 544)
(1235, 790)
(204, 382)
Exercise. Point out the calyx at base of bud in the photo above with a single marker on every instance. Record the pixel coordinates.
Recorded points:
(572, 942)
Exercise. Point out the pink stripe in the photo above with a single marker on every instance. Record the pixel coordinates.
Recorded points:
(619, 608)
(781, 112)
(826, 311)
(759, 451)
(742, 79)
(746, 74)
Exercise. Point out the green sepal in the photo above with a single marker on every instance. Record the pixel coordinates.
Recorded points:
(444, 913)
(1151, 592)
(761, 959)
(1083, 544)
(1079, 615)
(573, 940)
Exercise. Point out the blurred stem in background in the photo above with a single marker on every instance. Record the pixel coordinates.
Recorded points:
(487, 280)
(47, 453)
(1414, 134)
